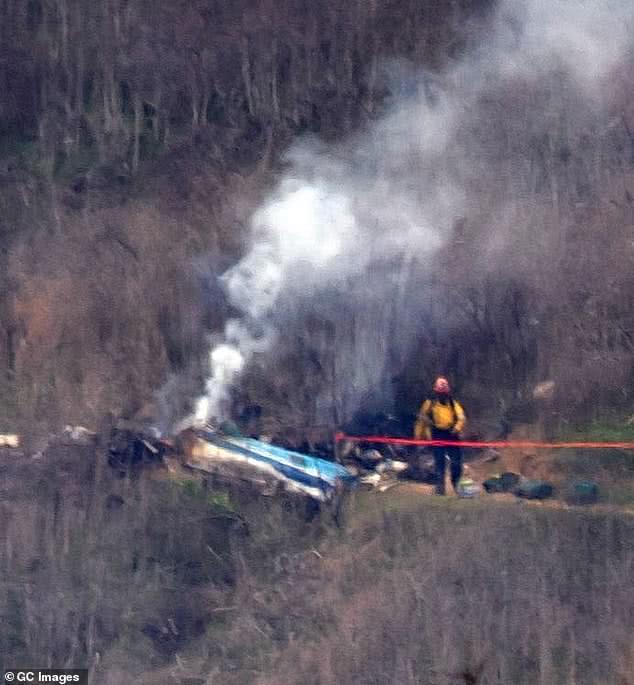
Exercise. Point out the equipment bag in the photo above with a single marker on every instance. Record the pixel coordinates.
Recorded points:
(534, 489)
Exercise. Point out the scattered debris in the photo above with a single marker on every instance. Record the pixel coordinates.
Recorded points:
(272, 469)
(370, 459)
(392, 466)
(382, 466)
(79, 435)
(9, 440)
(148, 446)
(544, 390)
(130, 444)
(372, 479)
(387, 486)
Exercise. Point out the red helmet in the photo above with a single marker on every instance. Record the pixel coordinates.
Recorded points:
(441, 385)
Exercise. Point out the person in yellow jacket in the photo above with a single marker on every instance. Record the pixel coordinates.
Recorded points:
(442, 418)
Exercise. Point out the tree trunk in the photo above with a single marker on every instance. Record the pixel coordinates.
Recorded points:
(138, 113)
(246, 75)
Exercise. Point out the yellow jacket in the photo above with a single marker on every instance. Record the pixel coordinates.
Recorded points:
(434, 413)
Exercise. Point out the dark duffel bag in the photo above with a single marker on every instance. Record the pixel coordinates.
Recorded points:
(534, 489)
(506, 482)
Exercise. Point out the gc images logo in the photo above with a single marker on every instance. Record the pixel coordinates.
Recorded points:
(35, 676)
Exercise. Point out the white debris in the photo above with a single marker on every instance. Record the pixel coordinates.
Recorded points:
(372, 479)
(9, 440)
(398, 466)
(371, 456)
(393, 466)
(544, 390)
(79, 434)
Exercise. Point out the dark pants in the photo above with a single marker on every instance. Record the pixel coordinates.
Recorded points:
(455, 459)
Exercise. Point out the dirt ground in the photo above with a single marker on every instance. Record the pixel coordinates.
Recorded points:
(613, 476)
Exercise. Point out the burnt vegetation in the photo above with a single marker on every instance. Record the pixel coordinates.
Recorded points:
(136, 140)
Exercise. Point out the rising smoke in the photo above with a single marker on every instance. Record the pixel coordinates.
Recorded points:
(350, 228)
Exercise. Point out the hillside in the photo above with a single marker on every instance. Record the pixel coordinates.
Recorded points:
(131, 156)
(142, 578)
(287, 217)
(130, 178)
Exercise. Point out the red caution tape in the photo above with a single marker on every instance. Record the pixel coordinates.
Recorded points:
(521, 444)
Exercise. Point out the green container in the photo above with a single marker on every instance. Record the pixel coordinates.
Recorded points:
(467, 488)
(582, 492)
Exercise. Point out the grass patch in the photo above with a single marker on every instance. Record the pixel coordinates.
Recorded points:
(615, 430)
(621, 495)
(617, 464)
(194, 492)
(611, 469)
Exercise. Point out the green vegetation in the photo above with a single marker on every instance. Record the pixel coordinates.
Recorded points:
(194, 492)
(614, 430)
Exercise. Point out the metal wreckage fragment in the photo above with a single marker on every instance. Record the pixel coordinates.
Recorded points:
(260, 462)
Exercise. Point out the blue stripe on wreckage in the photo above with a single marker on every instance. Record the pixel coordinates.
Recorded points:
(327, 469)
(328, 473)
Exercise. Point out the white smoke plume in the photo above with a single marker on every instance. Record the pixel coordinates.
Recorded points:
(348, 225)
